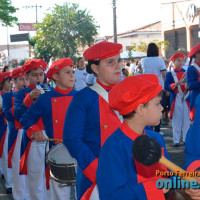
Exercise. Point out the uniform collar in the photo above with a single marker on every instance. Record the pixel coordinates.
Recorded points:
(106, 87)
(177, 69)
(31, 86)
(64, 92)
(129, 132)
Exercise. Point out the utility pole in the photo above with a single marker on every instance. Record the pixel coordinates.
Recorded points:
(8, 48)
(188, 34)
(114, 22)
(36, 7)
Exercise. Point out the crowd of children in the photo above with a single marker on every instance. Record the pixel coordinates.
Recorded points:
(98, 124)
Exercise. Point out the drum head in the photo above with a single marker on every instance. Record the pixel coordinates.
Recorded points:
(62, 165)
(60, 155)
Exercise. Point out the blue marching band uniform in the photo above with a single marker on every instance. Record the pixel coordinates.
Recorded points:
(133, 181)
(92, 132)
(179, 104)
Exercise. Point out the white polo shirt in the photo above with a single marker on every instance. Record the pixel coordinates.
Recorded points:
(80, 76)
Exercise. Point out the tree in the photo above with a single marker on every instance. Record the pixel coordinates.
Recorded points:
(63, 31)
(6, 11)
(142, 46)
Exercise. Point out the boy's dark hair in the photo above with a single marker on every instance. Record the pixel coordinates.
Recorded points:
(131, 114)
(152, 50)
(31, 71)
(3, 82)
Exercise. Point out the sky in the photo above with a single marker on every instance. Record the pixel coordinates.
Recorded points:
(131, 14)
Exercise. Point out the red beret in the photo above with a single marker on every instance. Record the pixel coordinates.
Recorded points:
(4, 75)
(58, 65)
(33, 64)
(17, 72)
(127, 95)
(194, 50)
(177, 55)
(102, 50)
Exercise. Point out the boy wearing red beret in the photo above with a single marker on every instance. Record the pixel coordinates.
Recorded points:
(175, 83)
(19, 190)
(5, 86)
(52, 107)
(119, 175)
(34, 72)
(193, 77)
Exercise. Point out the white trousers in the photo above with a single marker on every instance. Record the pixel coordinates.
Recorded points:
(36, 172)
(180, 119)
(95, 194)
(59, 192)
(5, 170)
(19, 186)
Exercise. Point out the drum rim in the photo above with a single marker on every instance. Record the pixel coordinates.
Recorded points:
(67, 182)
(62, 165)
(53, 163)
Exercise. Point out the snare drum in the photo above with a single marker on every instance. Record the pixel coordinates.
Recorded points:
(62, 165)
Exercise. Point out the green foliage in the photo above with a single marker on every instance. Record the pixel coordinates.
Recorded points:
(22, 62)
(142, 46)
(63, 31)
(6, 12)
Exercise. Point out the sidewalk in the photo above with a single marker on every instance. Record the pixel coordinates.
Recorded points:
(176, 154)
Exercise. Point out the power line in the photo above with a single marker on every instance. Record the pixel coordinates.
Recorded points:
(36, 6)
(175, 2)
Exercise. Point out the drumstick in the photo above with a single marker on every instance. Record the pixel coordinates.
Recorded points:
(181, 80)
(183, 77)
(54, 140)
(147, 151)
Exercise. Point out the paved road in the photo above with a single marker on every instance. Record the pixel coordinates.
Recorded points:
(176, 154)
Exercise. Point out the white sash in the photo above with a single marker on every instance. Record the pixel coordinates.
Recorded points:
(183, 95)
(1, 100)
(104, 94)
(196, 67)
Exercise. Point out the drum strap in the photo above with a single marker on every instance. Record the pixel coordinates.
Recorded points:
(104, 94)
(0, 100)
(183, 95)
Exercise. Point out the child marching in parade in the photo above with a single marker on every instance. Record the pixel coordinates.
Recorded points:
(179, 98)
(31, 151)
(193, 77)
(19, 190)
(5, 86)
(89, 120)
(119, 174)
(52, 107)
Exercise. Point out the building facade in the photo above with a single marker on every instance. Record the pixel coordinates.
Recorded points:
(180, 25)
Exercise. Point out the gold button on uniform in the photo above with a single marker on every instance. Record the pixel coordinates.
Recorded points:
(54, 100)
(56, 121)
(105, 126)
